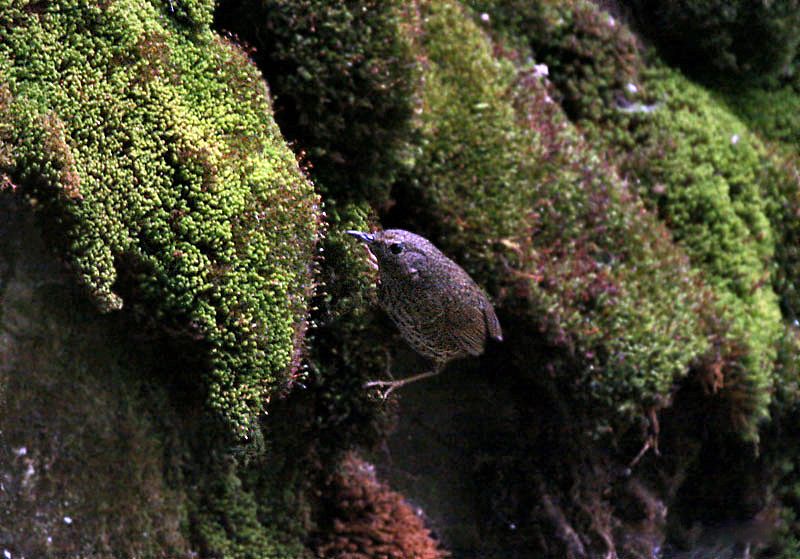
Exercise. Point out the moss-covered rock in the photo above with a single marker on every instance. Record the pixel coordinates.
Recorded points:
(350, 341)
(772, 113)
(344, 81)
(736, 41)
(611, 207)
(147, 144)
(503, 182)
(106, 445)
(690, 159)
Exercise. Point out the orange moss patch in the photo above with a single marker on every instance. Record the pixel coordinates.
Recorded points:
(370, 521)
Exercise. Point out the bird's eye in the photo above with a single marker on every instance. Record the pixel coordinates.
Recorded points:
(396, 248)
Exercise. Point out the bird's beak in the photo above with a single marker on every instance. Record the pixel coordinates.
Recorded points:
(363, 237)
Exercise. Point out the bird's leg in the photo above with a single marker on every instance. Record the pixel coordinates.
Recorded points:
(391, 385)
(388, 363)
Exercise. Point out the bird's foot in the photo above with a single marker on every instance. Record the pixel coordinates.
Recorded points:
(391, 385)
(388, 385)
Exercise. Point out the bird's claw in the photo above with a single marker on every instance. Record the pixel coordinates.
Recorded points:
(384, 394)
(393, 384)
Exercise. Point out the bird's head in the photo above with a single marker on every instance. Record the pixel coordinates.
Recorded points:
(398, 251)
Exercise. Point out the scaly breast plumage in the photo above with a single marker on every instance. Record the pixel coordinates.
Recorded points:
(423, 322)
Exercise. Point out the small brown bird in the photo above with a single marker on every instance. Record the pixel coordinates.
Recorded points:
(440, 311)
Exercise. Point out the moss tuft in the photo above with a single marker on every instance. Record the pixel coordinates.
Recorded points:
(737, 41)
(370, 520)
(505, 184)
(344, 80)
(149, 147)
(691, 160)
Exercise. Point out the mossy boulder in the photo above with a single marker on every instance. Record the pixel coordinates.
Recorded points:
(147, 145)
(690, 159)
(106, 445)
(506, 184)
(737, 41)
(774, 113)
(633, 234)
(344, 81)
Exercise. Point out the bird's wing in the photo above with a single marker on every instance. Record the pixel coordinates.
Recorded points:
(471, 333)
(476, 322)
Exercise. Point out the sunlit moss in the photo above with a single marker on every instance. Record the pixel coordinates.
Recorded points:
(690, 159)
(505, 183)
(149, 146)
(344, 81)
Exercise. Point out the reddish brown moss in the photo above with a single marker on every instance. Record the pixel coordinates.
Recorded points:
(370, 521)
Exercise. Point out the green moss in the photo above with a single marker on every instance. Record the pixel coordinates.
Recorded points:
(505, 184)
(690, 159)
(709, 166)
(737, 41)
(225, 521)
(773, 113)
(344, 81)
(148, 144)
